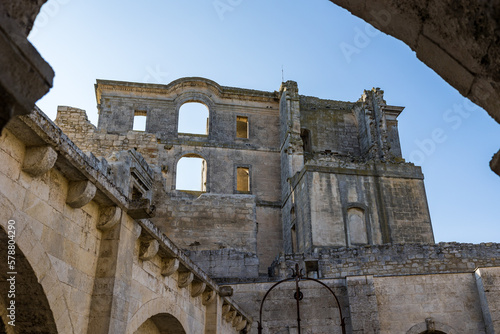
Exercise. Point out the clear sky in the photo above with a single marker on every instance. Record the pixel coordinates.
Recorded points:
(246, 43)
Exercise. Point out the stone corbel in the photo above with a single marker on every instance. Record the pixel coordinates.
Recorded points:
(208, 297)
(137, 230)
(185, 278)
(80, 193)
(109, 217)
(225, 309)
(197, 288)
(39, 160)
(241, 325)
(170, 266)
(237, 320)
(230, 316)
(149, 249)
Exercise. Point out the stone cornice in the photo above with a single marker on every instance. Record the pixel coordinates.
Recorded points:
(135, 88)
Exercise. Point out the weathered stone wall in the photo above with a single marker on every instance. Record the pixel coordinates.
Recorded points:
(75, 124)
(59, 242)
(162, 145)
(413, 304)
(318, 309)
(396, 259)
(449, 299)
(391, 197)
(210, 221)
(227, 263)
(85, 265)
(332, 125)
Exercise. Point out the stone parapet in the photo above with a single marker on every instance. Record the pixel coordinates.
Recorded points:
(397, 259)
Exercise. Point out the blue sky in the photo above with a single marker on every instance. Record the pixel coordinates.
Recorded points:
(329, 52)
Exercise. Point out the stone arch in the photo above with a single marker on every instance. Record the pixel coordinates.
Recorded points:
(431, 326)
(42, 276)
(37, 286)
(159, 310)
(195, 97)
(205, 170)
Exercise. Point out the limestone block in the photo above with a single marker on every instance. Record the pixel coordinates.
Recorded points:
(197, 288)
(80, 193)
(447, 67)
(109, 217)
(170, 266)
(185, 279)
(226, 291)
(39, 160)
(149, 249)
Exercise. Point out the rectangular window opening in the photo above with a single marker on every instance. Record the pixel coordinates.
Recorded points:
(241, 127)
(243, 179)
(140, 117)
(294, 239)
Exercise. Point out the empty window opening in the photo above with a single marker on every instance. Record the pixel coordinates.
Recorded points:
(241, 127)
(193, 118)
(191, 173)
(294, 239)
(139, 120)
(312, 269)
(305, 135)
(242, 179)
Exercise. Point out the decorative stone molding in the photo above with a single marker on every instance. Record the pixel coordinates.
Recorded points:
(197, 288)
(208, 297)
(170, 266)
(39, 160)
(80, 193)
(149, 249)
(185, 278)
(109, 217)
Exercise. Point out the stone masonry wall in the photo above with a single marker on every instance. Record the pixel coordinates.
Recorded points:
(398, 259)
(451, 301)
(77, 127)
(210, 221)
(332, 125)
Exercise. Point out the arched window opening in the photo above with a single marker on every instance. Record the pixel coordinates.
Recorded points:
(357, 226)
(193, 118)
(191, 173)
(140, 117)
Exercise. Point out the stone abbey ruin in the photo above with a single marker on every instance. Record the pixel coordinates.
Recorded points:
(113, 246)
(106, 242)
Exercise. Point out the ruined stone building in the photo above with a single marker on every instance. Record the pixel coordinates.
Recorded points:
(107, 242)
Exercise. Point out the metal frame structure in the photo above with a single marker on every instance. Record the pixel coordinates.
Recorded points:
(298, 296)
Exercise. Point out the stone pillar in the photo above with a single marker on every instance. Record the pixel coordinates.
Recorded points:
(363, 305)
(109, 306)
(488, 286)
